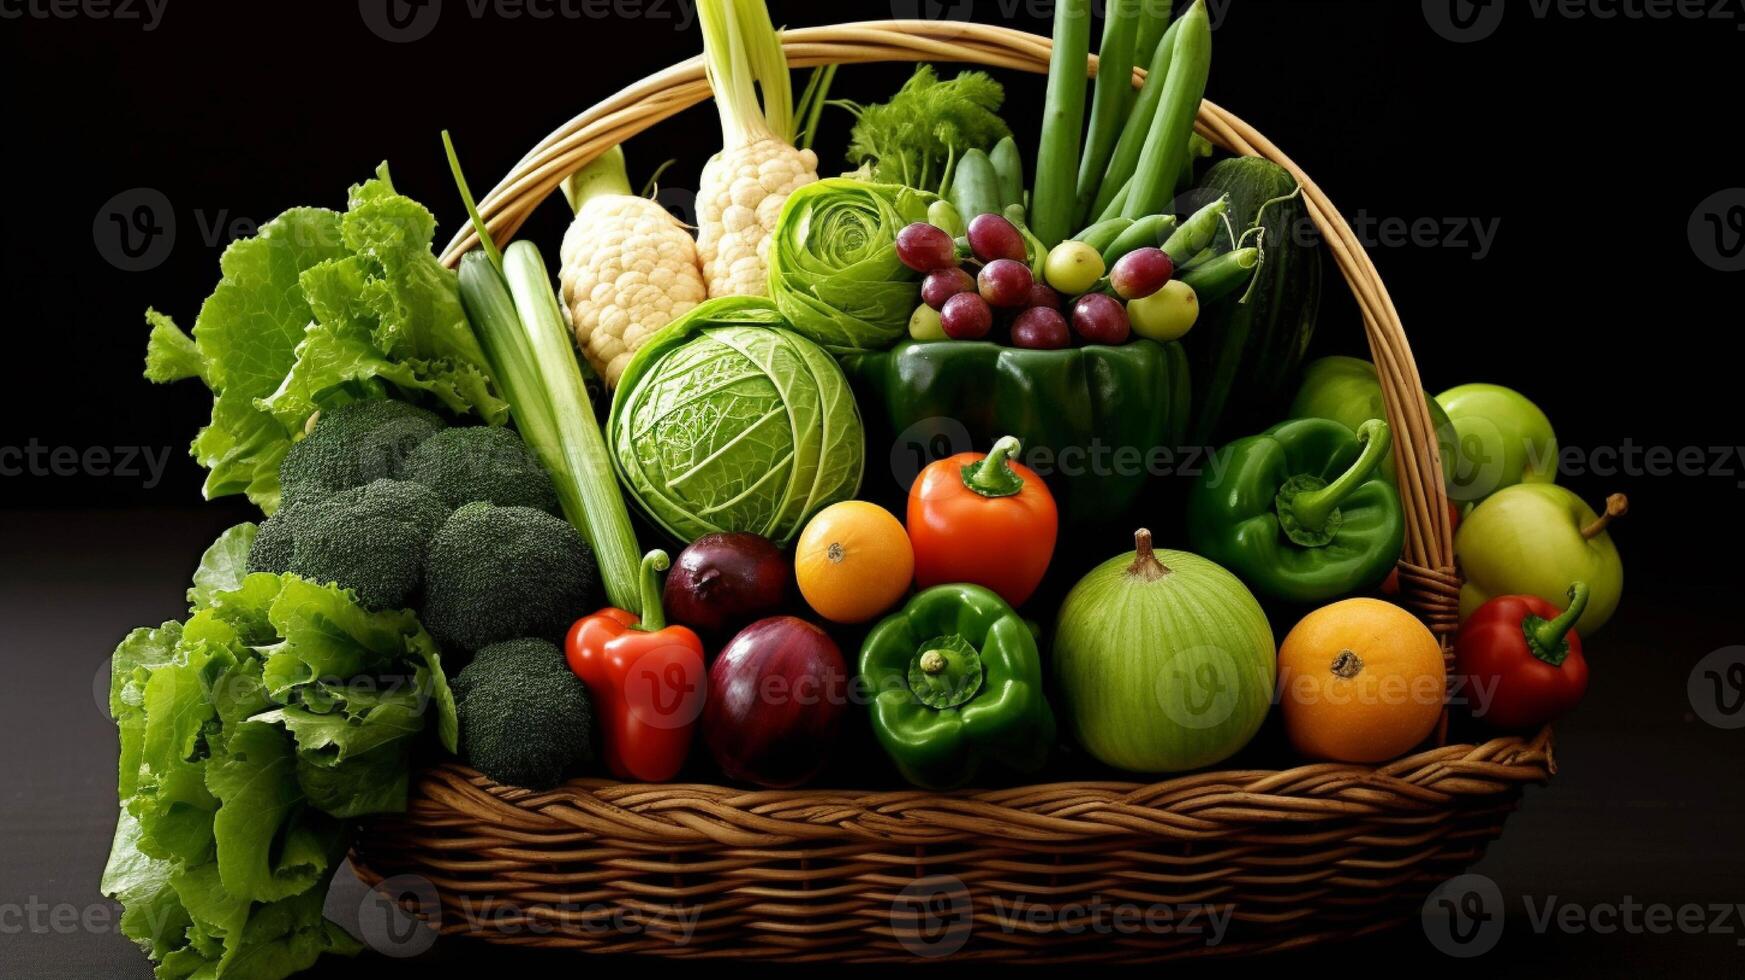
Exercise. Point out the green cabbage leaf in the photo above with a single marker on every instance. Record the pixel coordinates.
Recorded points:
(728, 421)
(834, 272)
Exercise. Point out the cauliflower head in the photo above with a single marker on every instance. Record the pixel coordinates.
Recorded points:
(742, 193)
(628, 269)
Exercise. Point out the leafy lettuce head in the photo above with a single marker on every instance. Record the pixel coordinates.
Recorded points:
(726, 420)
(834, 272)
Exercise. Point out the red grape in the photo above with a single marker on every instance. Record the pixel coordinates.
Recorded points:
(923, 247)
(993, 237)
(966, 316)
(1100, 319)
(1140, 273)
(942, 284)
(1042, 294)
(1005, 283)
(1041, 328)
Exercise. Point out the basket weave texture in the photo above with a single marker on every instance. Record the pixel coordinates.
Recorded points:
(1093, 871)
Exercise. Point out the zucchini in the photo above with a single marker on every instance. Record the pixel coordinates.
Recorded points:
(1247, 348)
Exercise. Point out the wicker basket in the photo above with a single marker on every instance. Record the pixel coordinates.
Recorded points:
(1060, 872)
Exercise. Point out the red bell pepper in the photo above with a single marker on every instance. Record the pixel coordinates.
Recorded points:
(1522, 658)
(985, 520)
(647, 680)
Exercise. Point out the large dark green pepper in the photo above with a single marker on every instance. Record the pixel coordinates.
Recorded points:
(956, 681)
(1301, 512)
(1094, 421)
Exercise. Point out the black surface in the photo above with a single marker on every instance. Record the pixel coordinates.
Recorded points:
(1590, 141)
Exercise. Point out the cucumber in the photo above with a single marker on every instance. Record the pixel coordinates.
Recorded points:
(976, 188)
(1246, 354)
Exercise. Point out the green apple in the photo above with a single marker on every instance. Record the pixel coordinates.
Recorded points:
(1535, 539)
(1348, 391)
(1165, 315)
(1504, 440)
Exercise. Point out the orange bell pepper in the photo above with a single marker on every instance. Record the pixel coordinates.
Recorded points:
(647, 680)
(983, 520)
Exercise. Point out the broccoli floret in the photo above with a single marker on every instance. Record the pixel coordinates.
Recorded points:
(482, 463)
(277, 538)
(525, 719)
(501, 573)
(370, 539)
(352, 445)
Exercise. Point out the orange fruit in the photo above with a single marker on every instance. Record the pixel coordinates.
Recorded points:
(853, 561)
(1360, 681)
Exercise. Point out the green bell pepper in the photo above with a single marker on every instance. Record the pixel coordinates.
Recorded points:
(1348, 390)
(1094, 421)
(1300, 512)
(957, 682)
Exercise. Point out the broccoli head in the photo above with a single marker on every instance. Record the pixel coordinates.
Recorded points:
(354, 444)
(370, 539)
(277, 538)
(482, 463)
(525, 719)
(501, 573)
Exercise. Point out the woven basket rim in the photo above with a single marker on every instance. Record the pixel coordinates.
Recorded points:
(1198, 805)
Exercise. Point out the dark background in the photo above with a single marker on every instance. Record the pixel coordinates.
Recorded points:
(1590, 144)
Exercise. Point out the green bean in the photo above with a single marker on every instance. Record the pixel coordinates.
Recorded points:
(1153, 21)
(1103, 234)
(1009, 168)
(1146, 232)
(1220, 277)
(1055, 193)
(1126, 155)
(1114, 92)
(1197, 232)
(1117, 202)
(1166, 146)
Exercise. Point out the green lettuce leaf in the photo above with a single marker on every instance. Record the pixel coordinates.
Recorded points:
(243, 345)
(251, 735)
(223, 566)
(317, 310)
(269, 845)
(152, 913)
(387, 312)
